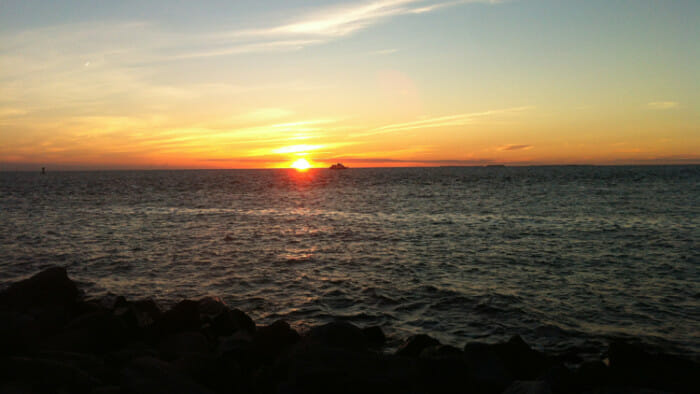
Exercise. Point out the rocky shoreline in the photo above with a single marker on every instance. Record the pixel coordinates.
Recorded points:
(54, 340)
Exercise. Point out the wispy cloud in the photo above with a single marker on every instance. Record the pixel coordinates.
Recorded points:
(339, 21)
(437, 6)
(384, 51)
(298, 148)
(11, 112)
(382, 160)
(245, 48)
(515, 147)
(661, 105)
(284, 152)
(322, 26)
(149, 43)
(265, 114)
(441, 121)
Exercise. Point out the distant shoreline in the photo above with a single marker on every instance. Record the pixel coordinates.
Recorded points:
(490, 166)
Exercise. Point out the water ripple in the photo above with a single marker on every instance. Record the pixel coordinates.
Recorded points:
(565, 256)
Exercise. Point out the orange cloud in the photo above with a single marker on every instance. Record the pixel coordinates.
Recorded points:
(515, 147)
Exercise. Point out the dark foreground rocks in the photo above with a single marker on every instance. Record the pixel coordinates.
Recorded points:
(52, 340)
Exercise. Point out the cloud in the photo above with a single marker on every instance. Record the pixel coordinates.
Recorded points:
(662, 105)
(378, 160)
(257, 47)
(384, 51)
(323, 26)
(265, 114)
(341, 20)
(441, 121)
(433, 7)
(345, 20)
(246, 159)
(97, 44)
(297, 148)
(515, 147)
(12, 112)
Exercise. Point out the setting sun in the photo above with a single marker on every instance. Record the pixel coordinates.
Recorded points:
(301, 165)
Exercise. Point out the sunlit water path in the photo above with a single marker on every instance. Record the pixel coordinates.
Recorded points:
(565, 256)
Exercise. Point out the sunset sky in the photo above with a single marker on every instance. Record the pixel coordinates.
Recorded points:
(258, 83)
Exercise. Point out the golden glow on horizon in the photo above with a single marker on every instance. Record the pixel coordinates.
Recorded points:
(71, 103)
(301, 165)
(299, 149)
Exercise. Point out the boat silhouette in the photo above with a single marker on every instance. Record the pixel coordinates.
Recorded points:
(338, 166)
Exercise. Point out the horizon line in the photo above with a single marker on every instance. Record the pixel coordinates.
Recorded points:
(494, 165)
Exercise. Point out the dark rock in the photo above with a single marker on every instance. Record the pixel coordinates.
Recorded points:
(184, 316)
(634, 365)
(227, 376)
(18, 331)
(415, 345)
(211, 306)
(241, 321)
(96, 333)
(46, 375)
(528, 387)
(151, 376)
(338, 334)
(184, 343)
(443, 369)
(84, 307)
(107, 390)
(194, 365)
(122, 357)
(523, 362)
(35, 308)
(273, 339)
(573, 355)
(112, 301)
(233, 342)
(148, 308)
(486, 369)
(375, 336)
(15, 387)
(237, 355)
(591, 374)
(497, 365)
(203, 369)
(138, 315)
(50, 287)
(441, 352)
(129, 317)
(320, 369)
(230, 321)
(92, 365)
(560, 379)
(96, 322)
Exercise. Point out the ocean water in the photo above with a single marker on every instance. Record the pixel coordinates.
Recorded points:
(567, 257)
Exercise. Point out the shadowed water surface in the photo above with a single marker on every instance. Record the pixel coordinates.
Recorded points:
(565, 256)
